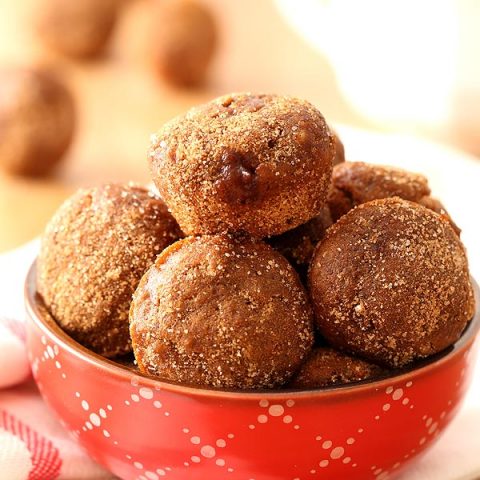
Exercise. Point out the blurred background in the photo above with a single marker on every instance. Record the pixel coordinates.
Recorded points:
(130, 65)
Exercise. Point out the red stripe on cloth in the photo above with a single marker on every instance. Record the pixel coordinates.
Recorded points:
(45, 456)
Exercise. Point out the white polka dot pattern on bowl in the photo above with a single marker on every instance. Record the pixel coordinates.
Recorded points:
(216, 445)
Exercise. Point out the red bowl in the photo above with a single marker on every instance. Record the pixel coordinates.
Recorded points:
(142, 428)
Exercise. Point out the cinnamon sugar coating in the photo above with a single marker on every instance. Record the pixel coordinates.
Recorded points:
(326, 366)
(437, 206)
(221, 312)
(259, 164)
(37, 120)
(184, 41)
(297, 245)
(390, 283)
(94, 252)
(354, 183)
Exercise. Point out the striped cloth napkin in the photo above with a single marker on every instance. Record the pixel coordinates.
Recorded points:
(34, 446)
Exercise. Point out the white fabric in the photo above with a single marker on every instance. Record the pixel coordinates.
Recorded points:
(14, 456)
(13, 269)
(14, 366)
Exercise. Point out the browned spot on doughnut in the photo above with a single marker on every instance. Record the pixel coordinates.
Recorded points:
(238, 180)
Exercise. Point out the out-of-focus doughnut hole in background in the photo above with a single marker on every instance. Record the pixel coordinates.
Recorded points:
(401, 66)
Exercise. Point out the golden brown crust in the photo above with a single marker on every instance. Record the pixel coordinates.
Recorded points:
(37, 120)
(94, 252)
(297, 245)
(390, 283)
(326, 366)
(259, 164)
(354, 183)
(185, 43)
(79, 28)
(221, 312)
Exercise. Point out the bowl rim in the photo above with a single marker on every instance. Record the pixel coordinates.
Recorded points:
(49, 327)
